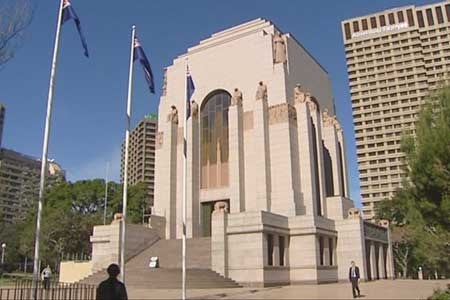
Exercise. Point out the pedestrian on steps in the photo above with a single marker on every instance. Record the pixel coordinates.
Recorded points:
(111, 288)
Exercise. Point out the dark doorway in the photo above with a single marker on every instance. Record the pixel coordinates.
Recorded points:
(207, 210)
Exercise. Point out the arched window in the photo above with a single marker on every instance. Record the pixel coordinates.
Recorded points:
(214, 139)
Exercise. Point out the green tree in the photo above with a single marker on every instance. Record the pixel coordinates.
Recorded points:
(422, 206)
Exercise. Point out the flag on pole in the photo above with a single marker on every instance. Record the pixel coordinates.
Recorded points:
(190, 88)
(139, 54)
(70, 14)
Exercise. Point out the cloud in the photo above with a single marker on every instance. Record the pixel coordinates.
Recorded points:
(96, 168)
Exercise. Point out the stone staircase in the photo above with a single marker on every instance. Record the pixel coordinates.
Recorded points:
(168, 275)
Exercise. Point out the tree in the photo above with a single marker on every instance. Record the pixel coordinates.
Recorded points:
(70, 212)
(15, 16)
(421, 208)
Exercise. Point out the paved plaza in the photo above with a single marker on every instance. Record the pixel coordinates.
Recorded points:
(383, 289)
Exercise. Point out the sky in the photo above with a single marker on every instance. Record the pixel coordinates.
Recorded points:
(88, 120)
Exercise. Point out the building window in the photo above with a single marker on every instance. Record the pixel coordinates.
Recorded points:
(430, 17)
(364, 24)
(447, 12)
(270, 249)
(348, 35)
(321, 250)
(214, 140)
(401, 19)
(281, 247)
(316, 168)
(409, 13)
(355, 26)
(331, 250)
(420, 19)
(391, 19)
(382, 21)
(373, 22)
(440, 16)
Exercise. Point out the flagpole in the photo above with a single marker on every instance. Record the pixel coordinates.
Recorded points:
(51, 89)
(106, 193)
(125, 177)
(183, 259)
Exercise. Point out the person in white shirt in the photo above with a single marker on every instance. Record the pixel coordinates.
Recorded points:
(45, 276)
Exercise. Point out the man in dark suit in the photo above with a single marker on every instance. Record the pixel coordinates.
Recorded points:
(111, 288)
(353, 275)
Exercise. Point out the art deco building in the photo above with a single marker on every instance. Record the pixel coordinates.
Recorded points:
(141, 162)
(19, 182)
(266, 170)
(394, 58)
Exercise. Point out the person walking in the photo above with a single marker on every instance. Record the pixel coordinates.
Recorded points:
(353, 275)
(111, 288)
(45, 276)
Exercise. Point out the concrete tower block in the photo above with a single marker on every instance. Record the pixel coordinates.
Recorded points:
(236, 158)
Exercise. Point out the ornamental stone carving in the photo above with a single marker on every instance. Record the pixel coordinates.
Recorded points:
(221, 206)
(237, 97)
(117, 218)
(279, 46)
(261, 92)
(164, 88)
(311, 104)
(194, 109)
(383, 223)
(336, 124)
(173, 115)
(327, 119)
(159, 140)
(299, 95)
(281, 113)
(353, 213)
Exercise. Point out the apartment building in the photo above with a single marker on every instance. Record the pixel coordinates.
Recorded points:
(394, 59)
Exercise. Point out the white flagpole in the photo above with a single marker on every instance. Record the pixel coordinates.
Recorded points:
(125, 176)
(36, 263)
(106, 193)
(183, 258)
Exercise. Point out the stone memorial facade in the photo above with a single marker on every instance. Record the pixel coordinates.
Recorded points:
(267, 173)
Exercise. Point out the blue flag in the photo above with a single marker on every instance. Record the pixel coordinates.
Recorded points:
(69, 13)
(140, 55)
(190, 88)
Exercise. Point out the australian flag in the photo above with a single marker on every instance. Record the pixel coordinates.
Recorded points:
(140, 55)
(190, 88)
(69, 13)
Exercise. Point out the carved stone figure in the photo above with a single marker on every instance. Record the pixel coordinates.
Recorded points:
(312, 104)
(159, 140)
(280, 48)
(194, 109)
(173, 115)
(164, 88)
(261, 92)
(327, 119)
(353, 213)
(117, 218)
(237, 97)
(299, 95)
(221, 206)
(384, 223)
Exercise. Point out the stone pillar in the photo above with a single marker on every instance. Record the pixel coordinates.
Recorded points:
(262, 182)
(317, 120)
(381, 262)
(305, 149)
(285, 193)
(326, 251)
(219, 242)
(389, 258)
(276, 250)
(236, 158)
(166, 176)
(193, 178)
(179, 182)
(341, 140)
(332, 144)
(373, 261)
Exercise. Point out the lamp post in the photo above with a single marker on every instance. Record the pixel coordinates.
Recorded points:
(3, 253)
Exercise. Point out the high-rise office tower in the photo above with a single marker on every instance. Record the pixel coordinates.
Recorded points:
(394, 59)
(141, 160)
(19, 182)
(2, 121)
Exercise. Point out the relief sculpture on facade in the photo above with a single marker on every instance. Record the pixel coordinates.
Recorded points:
(261, 92)
(279, 46)
(237, 97)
